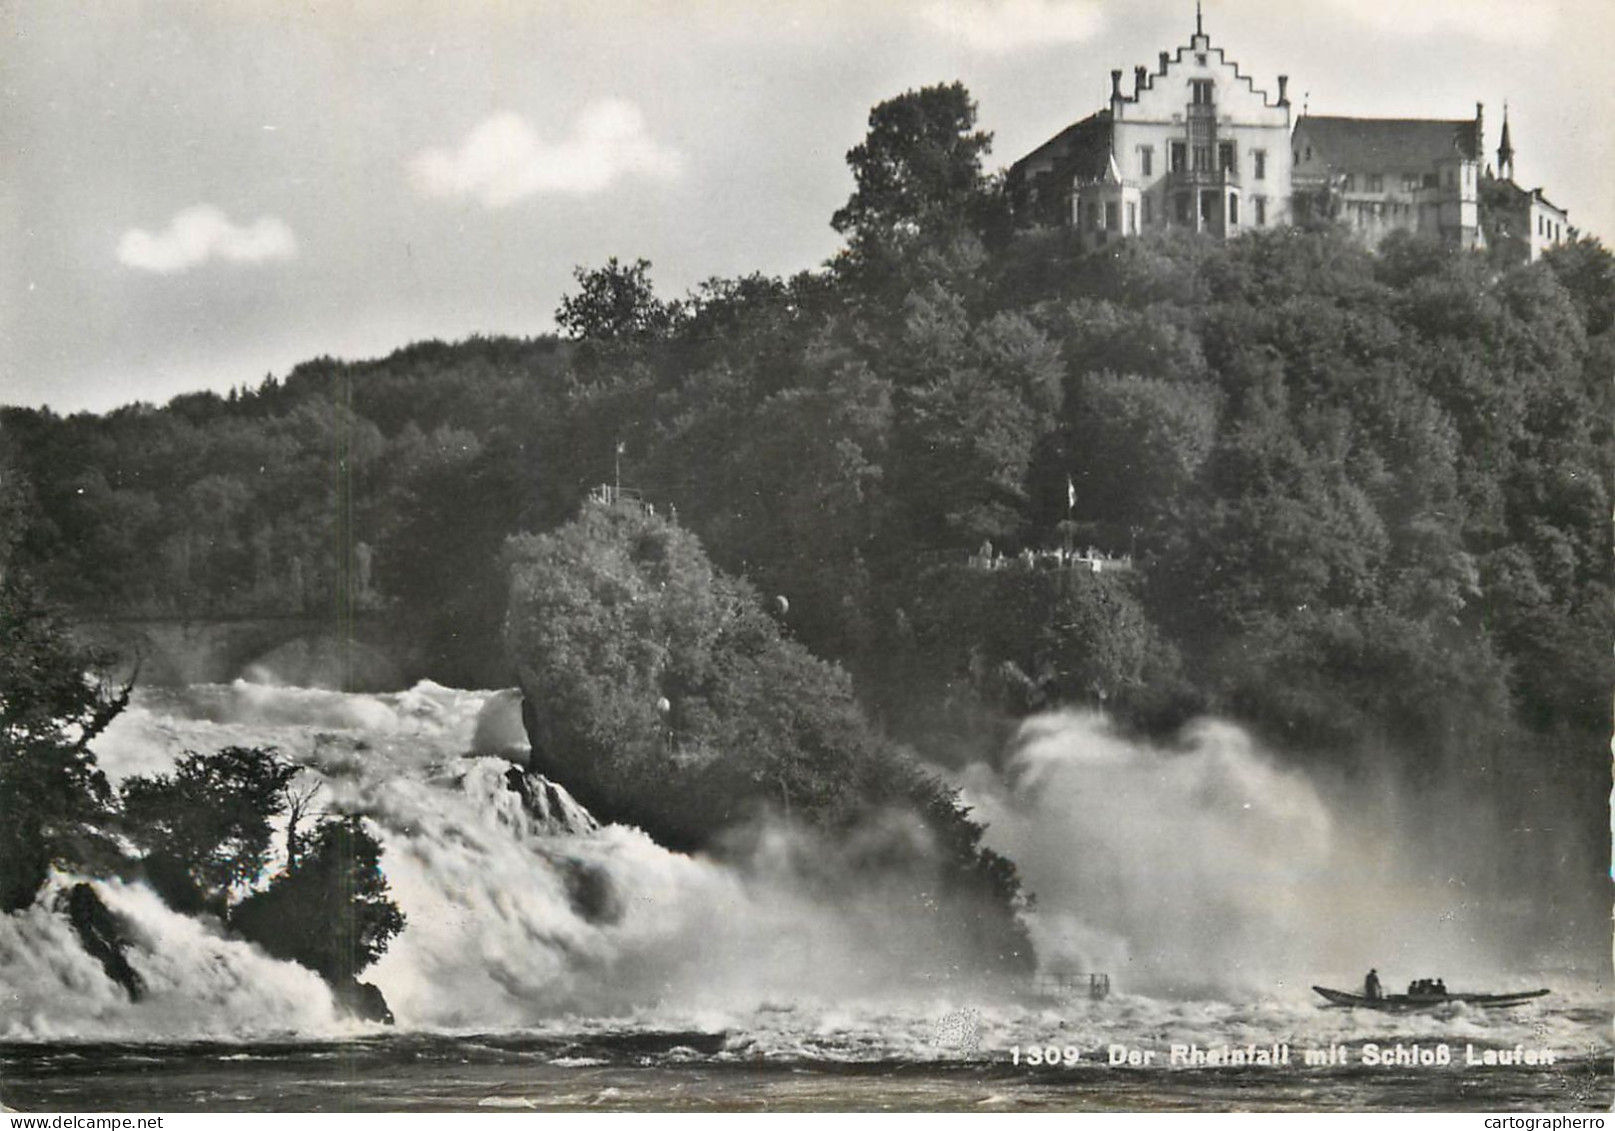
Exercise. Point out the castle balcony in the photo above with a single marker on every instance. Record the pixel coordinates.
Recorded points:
(1204, 178)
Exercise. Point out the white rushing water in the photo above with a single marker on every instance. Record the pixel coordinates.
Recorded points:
(1211, 884)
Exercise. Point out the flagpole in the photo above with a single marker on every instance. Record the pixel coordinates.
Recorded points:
(1070, 511)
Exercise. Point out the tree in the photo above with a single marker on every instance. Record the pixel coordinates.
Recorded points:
(615, 304)
(55, 698)
(206, 827)
(1134, 446)
(1587, 270)
(333, 912)
(918, 171)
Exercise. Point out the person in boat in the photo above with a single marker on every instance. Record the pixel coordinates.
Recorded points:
(1440, 987)
(1371, 986)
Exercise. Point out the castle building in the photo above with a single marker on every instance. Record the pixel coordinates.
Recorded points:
(1379, 175)
(1196, 147)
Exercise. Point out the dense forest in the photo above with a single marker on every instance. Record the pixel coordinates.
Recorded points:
(1357, 500)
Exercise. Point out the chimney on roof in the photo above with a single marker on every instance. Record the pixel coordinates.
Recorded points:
(1166, 57)
(1115, 84)
(1138, 80)
(1480, 132)
(1284, 90)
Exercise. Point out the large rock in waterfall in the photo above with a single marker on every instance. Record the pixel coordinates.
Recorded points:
(104, 937)
(660, 693)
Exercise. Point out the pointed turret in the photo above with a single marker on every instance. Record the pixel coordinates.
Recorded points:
(1505, 151)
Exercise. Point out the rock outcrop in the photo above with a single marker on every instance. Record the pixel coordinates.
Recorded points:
(104, 938)
(660, 693)
(362, 1000)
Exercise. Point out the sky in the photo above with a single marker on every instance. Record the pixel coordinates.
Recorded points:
(195, 195)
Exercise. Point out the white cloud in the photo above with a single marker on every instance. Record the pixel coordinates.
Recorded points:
(1497, 21)
(503, 160)
(1000, 26)
(196, 235)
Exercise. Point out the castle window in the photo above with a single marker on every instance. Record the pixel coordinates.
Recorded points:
(1259, 163)
(1233, 208)
(1201, 89)
(1432, 180)
(1225, 157)
(1179, 158)
(1132, 218)
(1452, 177)
(1146, 160)
(1376, 182)
(1350, 184)
(1202, 158)
(1149, 210)
(1261, 212)
(1093, 217)
(1208, 207)
(1112, 221)
(1201, 59)
(1183, 208)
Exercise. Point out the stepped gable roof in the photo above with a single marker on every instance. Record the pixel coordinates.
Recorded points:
(1080, 151)
(1388, 143)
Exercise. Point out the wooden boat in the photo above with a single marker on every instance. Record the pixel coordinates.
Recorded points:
(1403, 1003)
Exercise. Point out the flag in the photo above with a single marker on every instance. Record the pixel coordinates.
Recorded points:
(1070, 494)
(622, 448)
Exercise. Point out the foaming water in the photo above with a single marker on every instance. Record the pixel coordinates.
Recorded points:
(520, 906)
(1208, 869)
(1210, 883)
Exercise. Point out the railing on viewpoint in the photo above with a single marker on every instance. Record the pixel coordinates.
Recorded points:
(1094, 986)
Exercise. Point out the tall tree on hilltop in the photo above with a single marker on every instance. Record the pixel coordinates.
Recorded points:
(615, 303)
(918, 171)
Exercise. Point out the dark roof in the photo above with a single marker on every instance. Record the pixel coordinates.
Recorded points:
(1520, 197)
(1080, 152)
(1386, 143)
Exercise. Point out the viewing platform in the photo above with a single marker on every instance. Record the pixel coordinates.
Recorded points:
(609, 495)
(1090, 560)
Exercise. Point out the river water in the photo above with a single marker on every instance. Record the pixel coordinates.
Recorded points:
(552, 963)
